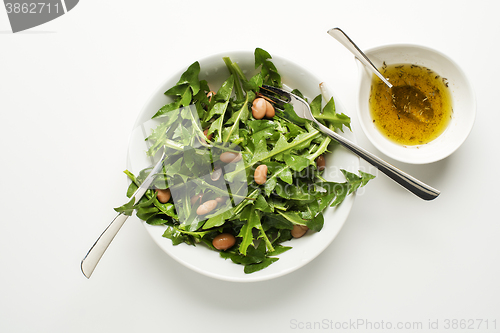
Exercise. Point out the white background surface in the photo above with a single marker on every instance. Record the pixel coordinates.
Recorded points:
(70, 91)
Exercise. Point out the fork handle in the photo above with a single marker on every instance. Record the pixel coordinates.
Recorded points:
(412, 184)
(340, 36)
(91, 259)
(95, 253)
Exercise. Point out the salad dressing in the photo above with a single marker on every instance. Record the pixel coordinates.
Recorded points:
(389, 107)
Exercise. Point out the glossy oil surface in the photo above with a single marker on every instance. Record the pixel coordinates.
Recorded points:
(410, 118)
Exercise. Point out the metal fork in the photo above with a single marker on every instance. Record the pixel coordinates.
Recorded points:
(280, 97)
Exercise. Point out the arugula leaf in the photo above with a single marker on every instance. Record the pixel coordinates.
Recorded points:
(262, 205)
(241, 115)
(329, 115)
(144, 213)
(218, 220)
(269, 72)
(356, 181)
(176, 236)
(183, 91)
(246, 233)
(279, 250)
(257, 267)
(168, 107)
(187, 86)
(254, 83)
(126, 209)
(261, 57)
(221, 98)
(270, 184)
(190, 77)
(253, 256)
(293, 217)
(316, 224)
(156, 220)
(253, 221)
(296, 162)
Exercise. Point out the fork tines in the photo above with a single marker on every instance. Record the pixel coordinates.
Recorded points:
(275, 95)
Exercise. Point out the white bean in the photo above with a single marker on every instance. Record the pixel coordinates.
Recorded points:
(269, 110)
(206, 207)
(299, 230)
(259, 108)
(260, 174)
(230, 157)
(223, 241)
(163, 195)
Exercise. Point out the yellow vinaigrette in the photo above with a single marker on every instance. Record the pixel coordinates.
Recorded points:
(396, 124)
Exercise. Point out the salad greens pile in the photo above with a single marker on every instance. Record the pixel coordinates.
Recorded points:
(196, 129)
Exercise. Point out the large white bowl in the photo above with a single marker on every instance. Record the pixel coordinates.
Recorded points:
(464, 103)
(208, 262)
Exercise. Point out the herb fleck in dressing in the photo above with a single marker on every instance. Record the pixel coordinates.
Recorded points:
(390, 108)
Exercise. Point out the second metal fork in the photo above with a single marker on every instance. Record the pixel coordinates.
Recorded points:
(301, 109)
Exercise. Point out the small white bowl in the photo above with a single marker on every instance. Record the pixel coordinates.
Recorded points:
(464, 103)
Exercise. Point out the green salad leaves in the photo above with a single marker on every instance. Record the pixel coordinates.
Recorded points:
(198, 126)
